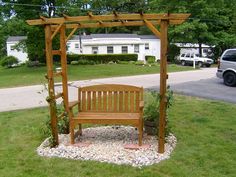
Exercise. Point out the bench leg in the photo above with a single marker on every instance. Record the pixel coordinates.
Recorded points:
(72, 133)
(140, 135)
(80, 129)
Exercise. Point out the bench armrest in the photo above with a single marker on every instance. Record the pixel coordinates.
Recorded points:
(141, 104)
(73, 104)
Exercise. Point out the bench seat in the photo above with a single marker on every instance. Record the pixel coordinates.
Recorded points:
(108, 104)
(107, 118)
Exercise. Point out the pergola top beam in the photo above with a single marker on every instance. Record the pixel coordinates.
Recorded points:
(171, 17)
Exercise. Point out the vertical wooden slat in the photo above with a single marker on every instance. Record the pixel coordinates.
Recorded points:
(110, 101)
(131, 101)
(163, 77)
(121, 103)
(94, 107)
(83, 101)
(115, 101)
(126, 108)
(51, 90)
(89, 101)
(79, 99)
(99, 101)
(105, 101)
(137, 99)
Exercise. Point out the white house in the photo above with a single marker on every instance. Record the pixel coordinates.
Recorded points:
(11, 51)
(143, 45)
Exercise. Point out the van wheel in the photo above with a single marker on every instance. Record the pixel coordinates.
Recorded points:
(208, 65)
(183, 63)
(230, 79)
(200, 64)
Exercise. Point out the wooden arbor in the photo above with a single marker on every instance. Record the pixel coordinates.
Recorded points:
(54, 26)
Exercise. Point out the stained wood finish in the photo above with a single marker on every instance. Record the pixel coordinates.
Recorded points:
(111, 104)
(51, 90)
(118, 100)
(123, 17)
(163, 78)
(106, 98)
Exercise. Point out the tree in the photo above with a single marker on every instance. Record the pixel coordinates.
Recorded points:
(11, 27)
(210, 22)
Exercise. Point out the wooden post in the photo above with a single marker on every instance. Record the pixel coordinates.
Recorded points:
(64, 67)
(51, 91)
(163, 78)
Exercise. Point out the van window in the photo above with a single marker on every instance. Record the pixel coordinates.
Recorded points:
(187, 55)
(230, 56)
(183, 55)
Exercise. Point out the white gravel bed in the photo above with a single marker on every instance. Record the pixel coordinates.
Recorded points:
(106, 144)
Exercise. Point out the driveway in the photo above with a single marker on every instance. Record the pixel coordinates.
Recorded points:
(202, 83)
(212, 88)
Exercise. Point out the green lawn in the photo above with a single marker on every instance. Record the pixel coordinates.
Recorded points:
(206, 133)
(21, 76)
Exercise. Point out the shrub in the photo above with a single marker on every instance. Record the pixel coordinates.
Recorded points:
(34, 63)
(111, 63)
(62, 125)
(85, 62)
(102, 58)
(123, 62)
(9, 61)
(131, 62)
(150, 59)
(74, 62)
(173, 52)
(139, 63)
(151, 109)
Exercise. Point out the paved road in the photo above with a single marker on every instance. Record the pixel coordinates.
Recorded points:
(202, 83)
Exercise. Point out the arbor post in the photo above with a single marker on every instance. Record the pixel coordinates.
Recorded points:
(51, 90)
(163, 78)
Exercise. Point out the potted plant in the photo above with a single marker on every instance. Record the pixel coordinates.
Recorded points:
(151, 111)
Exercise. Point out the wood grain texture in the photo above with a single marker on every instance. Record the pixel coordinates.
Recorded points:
(110, 104)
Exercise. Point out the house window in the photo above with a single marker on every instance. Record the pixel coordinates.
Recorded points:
(12, 47)
(76, 45)
(68, 46)
(110, 49)
(136, 48)
(94, 50)
(147, 46)
(124, 49)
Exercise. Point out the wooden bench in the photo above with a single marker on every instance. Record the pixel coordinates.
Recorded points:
(108, 104)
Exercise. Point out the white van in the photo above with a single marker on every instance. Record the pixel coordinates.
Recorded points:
(227, 67)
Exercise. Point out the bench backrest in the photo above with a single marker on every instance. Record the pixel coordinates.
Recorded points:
(110, 98)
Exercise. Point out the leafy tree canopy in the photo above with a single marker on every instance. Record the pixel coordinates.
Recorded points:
(211, 22)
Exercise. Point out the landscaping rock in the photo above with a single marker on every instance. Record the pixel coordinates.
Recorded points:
(107, 144)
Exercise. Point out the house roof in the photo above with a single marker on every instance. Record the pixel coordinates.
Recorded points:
(118, 35)
(92, 36)
(16, 38)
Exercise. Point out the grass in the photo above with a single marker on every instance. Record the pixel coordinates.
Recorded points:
(205, 129)
(22, 76)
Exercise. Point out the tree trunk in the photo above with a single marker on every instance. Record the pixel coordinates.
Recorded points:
(200, 49)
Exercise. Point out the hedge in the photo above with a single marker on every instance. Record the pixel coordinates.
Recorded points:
(150, 59)
(9, 61)
(102, 58)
